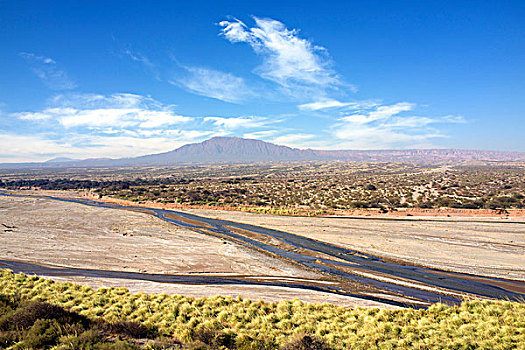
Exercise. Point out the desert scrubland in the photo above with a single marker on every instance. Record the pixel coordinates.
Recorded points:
(302, 188)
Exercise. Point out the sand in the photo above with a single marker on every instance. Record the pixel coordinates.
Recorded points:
(483, 246)
(69, 235)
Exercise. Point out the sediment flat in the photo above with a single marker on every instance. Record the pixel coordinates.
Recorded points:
(62, 235)
(492, 247)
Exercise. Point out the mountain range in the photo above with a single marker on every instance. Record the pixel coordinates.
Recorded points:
(234, 149)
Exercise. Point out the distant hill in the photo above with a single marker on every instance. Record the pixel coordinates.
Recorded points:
(424, 155)
(235, 149)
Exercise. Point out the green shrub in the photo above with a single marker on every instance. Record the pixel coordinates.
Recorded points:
(306, 342)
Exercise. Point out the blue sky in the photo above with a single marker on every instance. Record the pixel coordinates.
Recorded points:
(86, 79)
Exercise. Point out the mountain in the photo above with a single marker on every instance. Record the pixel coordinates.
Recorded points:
(229, 149)
(235, 149)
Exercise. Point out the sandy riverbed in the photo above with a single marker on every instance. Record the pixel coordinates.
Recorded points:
(484, 246)
(53, 233)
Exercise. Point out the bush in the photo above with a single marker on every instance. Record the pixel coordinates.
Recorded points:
(306, 342)
(44, 332)
(28, 314)
(132, 329)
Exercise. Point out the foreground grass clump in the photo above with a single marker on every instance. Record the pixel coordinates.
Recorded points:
(41, 325)
(225, 322)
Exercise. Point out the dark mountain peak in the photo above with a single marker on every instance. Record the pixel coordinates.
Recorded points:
(226, 142)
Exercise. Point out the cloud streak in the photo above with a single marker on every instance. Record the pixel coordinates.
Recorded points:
(386, 126)
(323, 104)
(213, 83)
(232, 123)
(47, 70)
(144, 61)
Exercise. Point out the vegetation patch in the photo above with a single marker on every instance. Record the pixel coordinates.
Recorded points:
(291, 188)
(42, 313)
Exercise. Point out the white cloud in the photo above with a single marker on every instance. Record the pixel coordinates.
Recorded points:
(324, 104)
(118, 100)
(27, 148)
(121, 118)
(409, 122)
(382, 137)
(288, 60)
(35, 116)
(118, 125)
(385, 112)
(47, 70)
(263, 134)
(456, 119)
(157, 119)
(385, 126)
(121, 111)
(238, 122)
(215, 84)
(335, 104)
(293, 140)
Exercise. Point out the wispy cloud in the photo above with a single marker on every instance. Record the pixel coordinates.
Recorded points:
(456, 119)
(323, 104)
(263, 134)
(47, 70)
(213, 83)
(294, 63)
(379, 113)
(335, 104)
(293, 140)
(144, 61)
(386, 126)
(231, 123)
(198, 80)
